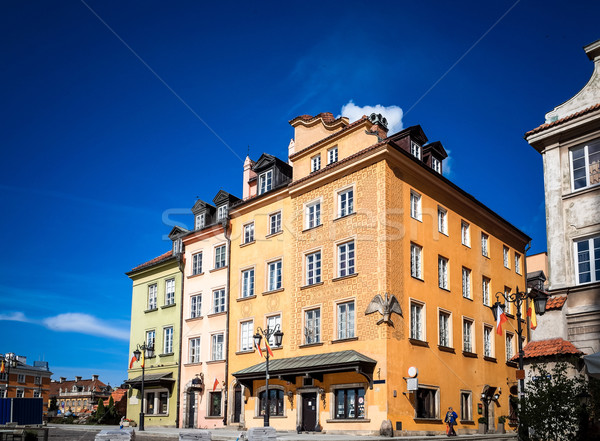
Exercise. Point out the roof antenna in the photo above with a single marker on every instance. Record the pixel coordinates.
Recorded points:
(248, 150)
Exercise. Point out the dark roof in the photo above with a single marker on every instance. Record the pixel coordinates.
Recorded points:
(563, 120)
(549, 348)
(164, 379)
(160, 259)
(94, 385)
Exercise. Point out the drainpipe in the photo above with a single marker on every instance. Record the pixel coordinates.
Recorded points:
(181, 269)
(228, 238)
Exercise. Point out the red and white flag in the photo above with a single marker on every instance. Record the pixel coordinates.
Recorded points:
(133, 360)
(531, 314)
(215, 384)
(259, 350)
(500, 318)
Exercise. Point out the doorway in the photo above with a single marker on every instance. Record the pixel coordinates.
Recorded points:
(237, 410)
(309, 412)
(191, 399)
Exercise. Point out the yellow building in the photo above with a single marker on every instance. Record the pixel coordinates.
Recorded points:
(388, 274)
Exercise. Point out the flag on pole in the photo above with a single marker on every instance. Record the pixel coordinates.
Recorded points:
(531, 314)
(133, 359)
(215, 384)
(2, 367)
(268, 347)
(259, 350)
(500, 318)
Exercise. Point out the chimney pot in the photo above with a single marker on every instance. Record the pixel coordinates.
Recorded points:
(77, 379)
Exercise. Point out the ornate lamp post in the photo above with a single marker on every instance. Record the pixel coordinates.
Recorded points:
(275, 332)
(10, 361)
(149, 353)
(539, 300)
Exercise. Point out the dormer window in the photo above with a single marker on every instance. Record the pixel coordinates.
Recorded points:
(265, 182)
(177, 246)
(415, 150)
(200, 221)
(315, 163)
(436, 164)
(332, 155)
(221, 212)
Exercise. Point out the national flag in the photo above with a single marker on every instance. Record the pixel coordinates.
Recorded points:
(268, 347)
(531, 314)
(500, 318)
(215, 384)
(258, 349)
(143, 359)
(133, 359)
(2, 367)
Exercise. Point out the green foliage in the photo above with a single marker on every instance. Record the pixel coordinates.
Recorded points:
(502, 419)
(482, 420)
(549, 410)
(111, 405)
(101, 410)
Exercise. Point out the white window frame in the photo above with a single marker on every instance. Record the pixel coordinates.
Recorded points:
(345, 202)
(218, 295)
(247, 279)
(21, 378)
(485, 244)
(37, 380)
(315, 163)
(507, 305)
(197, 263)
(271, 322)
(312, 217)
(488, 341)
(517, 263)
(248, 233)
(312, 325)
(36, 394)
(200, 221)
(509, 345)
(20, 393)
(152, 296)
(506, 256)
(465, 233)
(246, 336)
(415, 206)
(443, 220)
(586, 157)
(466, 411)
(156, 401)
(466, 283)
(443, 273)
(485, 290)
(593, 259)
(196, 306)
(215, 355)
(221, 212)
(313, 267)
(415, 149)
(168, 334)
(417, 324)
(447, 327)
(150, 337)
(436, 164)
(194, 350)
(416, 261)
(274, 275)
(345, 319)
(265, 181)
(275, 223)
(346, 258)
(332, 155)
(468, 335)
(170, 292)
(220, 256)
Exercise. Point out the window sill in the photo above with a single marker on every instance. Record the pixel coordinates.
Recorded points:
(216, 314)
(150, 310)
(344, 216)
(310, 345)
(486, 256)
(349, 276)
(417, 219)
(446, 349)
(167, 354)
(469, 354)
(417, 278)
(467, 298)
(249, 351)
(444, 289)
(311, 285)
(218, 269)
(312, 228)
(172, 305)
(276, 233)
(416, 342)
(465, 245)
(199, 363)
(428, 420)
(349, 420)
(245, 244)
(214, 417)
(344, 340)
(266, 293)
(492, 359)
(241, 299)
(276, 417)
(215, 361)
(467, 422)
(193, 319)
(195, 275)
(511, 364)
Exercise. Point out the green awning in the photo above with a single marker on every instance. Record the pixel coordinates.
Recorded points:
(152, 380)
(314, 366)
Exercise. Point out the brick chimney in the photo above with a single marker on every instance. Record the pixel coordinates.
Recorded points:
(94, 377)
(77, 379)
(63, 379)
(249, 179)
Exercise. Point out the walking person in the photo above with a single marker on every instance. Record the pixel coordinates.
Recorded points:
(450, 419)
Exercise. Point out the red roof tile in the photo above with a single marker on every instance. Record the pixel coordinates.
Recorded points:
(327, 117)
(563, 120)
(154, 261)
(548, 348)
(555, 303)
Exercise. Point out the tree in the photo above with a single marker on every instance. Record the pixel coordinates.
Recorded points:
(111, 406)
(101, 410)
(550, 407)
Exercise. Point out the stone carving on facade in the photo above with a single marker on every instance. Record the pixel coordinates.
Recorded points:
(384, 306)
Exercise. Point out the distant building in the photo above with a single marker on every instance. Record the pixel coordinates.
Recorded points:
(26, 381)
(78, 395)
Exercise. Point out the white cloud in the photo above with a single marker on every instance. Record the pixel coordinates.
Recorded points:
(14, 317)
(447, 169)
(85, 324)
(393, 114)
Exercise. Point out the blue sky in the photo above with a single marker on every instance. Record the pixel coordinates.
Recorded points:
(118, 114)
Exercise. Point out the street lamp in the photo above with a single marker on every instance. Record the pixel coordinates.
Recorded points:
(539, 301)
(275, 332)
(149, 353)
(10, 361)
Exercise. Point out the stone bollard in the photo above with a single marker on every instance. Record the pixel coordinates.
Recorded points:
(197, 435)
(262, 434)
(386, 429)
(115, 435)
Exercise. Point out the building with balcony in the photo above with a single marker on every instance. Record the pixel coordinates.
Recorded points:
(79, 395)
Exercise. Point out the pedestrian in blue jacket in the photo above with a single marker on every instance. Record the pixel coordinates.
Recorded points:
(450, 419)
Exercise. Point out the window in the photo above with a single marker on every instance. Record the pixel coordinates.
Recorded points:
(415, 150)
(220, 253)
(168, 340)
(218, 301)
(217, 347)
(350, 403)
(517, 263)
(3, 393)
(485, 290)
(315, 163)
(443, 272)
(246, 335)
(313, 268)
(265, 181)
(274, 275)
(465, 234)
(312, 326)
(152, 296)
(221, 212)
(468, 336)
(313, 214)
(249, 233)
(150, 338)
(485, 239)
(275, 223)
(415, 261)
(20, 393)
(415, 205)
(36, 394)
(505, 256)
(444, 329)
(587, 260)
(488, 349)
(4, 376)
(194, 350)
(507, 305)
(275, 402)
(346, 259)
(248, 283)
(170, 292)
(177, 246)
(332, 155)
(37, 380)
(197, 264)
(345, 202)
(466, 282)
(436, 164)
(200, 221)
(214, 403)
(509, 346)
(585, 165)
(195, 306)
(427, 403)
(442, 221)
(345, 318)
(272, 323)
(21, 378)
(466, 406)
(417, 321)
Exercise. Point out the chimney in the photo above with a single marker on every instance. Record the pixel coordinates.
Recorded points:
(77, 379)
(249, 187)
(22, 359)
(63, 379)
(94, 377)
(380, 125)
(291, 147)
